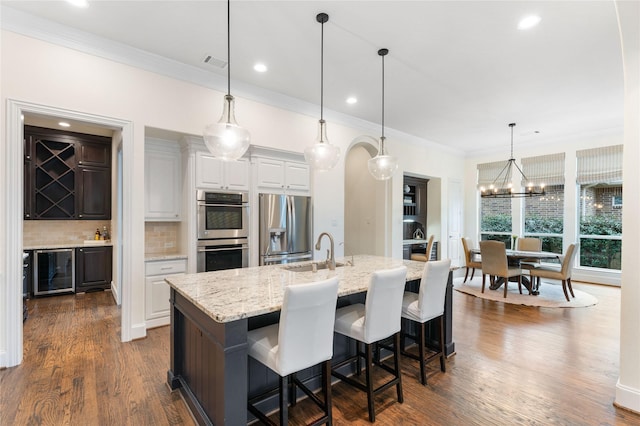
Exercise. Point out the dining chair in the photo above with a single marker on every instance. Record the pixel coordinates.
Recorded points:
(564, 274)
(529, 244)
(494, 264)
(427, 254)
(372, 322)
(469, 262)
(423, 307)
(302, 338)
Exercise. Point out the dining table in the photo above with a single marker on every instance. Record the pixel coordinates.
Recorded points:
(514, 257)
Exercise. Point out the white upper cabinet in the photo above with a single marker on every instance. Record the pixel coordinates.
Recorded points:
(162, 181)
(282, 175)
(296, 176)
(213, 173)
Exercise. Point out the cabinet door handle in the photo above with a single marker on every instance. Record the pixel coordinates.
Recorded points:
(166, 268)
(79, 215)
(79, 249)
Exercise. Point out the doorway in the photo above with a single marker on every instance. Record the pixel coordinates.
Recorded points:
(16, 110)
(367, 203)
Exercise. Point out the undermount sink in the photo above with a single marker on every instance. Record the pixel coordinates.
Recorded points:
(308, 267)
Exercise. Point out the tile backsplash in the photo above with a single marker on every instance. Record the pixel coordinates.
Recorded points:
(63, 232)
(162, 238)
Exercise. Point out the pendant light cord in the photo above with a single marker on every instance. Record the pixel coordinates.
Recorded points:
(383, 96)
(229, 47)
(321, 70)
(512, 125)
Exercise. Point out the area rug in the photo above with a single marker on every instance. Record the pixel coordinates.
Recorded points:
(551, 294)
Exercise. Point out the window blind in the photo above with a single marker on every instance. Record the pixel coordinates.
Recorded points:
(544, 169)
(599, 165)
(487, 172)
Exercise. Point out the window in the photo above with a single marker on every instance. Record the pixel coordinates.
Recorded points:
(544, 216)
(495, 213)
(599, 178)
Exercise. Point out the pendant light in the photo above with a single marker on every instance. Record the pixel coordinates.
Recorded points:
(226, 139)
(322, 155)
(502, 186)
(382, 166)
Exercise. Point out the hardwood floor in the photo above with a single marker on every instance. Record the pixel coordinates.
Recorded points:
(514, 365)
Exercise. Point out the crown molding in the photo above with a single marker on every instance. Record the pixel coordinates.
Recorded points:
(51, 32)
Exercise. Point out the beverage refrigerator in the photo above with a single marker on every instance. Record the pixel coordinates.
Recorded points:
(286, 227)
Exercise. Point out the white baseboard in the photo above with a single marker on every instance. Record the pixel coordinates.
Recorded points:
(627, 397)
(158, 322)
(114, 293)
(138, 331)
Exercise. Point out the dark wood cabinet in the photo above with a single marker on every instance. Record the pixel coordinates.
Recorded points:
(94, 193)
(93, 268)
(406, 252)
(94, 154)
(415, 199)
(27, 181)
(67, 175)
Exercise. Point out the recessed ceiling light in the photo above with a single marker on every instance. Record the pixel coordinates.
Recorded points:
(352, 100)
(259, 67)
(64, 124)
(79, 3)
(528, 22)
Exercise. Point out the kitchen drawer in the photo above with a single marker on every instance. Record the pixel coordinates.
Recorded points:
(165, 267)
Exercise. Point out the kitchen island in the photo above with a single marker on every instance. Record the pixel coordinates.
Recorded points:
(212, 312)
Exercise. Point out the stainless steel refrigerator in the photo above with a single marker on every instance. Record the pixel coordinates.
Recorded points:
(285, 228)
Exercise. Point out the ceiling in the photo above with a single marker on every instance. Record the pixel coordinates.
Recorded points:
(457, 72)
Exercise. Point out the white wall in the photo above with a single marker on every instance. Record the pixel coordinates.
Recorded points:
(76, 81)
(628, 386)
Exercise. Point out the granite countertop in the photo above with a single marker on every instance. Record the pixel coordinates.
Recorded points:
(414, 241)
(158, 257)
(53, 246)
(234, 294)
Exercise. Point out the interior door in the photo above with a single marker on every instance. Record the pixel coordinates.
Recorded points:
(455, 222)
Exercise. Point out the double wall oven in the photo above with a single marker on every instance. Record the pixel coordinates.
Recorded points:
(223, 230)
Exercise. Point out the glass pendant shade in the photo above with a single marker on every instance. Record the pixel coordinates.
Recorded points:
(226, 139)
(382, 166)
(322, 156)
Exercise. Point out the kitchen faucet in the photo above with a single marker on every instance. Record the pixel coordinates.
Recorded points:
(331, 260)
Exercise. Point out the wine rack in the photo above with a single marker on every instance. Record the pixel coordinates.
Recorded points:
(54, 179)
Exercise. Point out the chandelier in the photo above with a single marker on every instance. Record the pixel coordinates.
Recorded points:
(503, 187)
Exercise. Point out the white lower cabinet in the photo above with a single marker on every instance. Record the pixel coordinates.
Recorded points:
(157, 290)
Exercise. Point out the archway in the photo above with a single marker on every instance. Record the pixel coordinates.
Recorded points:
(367, 207)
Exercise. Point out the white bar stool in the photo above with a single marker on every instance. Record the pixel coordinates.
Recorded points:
(376, 320)
(424, 306)
(303, 338)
